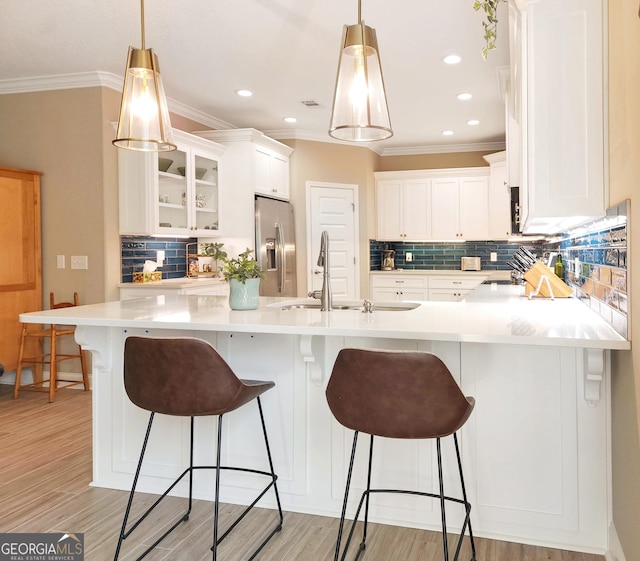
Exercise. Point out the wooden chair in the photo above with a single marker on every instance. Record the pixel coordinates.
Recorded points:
(53, 357)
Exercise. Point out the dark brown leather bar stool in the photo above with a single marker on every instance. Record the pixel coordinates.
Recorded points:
(188, 378)
(398, 394)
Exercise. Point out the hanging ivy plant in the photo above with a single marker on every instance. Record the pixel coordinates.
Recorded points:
(490, 8)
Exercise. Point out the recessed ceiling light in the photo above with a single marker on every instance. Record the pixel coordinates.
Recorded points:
(473, 122)
(464, 96)
(244, 93)
(447, 133)
(290, 119)
(451, 59)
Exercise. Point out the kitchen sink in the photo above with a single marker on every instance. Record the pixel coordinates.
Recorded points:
(345, 305)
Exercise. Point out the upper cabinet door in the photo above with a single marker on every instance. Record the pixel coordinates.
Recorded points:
(474, 208)
(171, 193)
(389, 209)
(402, 208)
(445, 213)
(562, 92)
(417, 225)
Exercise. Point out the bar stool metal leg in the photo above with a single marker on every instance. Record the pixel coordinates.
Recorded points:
(274, 478)
(445, 544)
(344, 503)
(467, 505)
(216, 507)
(124, 533)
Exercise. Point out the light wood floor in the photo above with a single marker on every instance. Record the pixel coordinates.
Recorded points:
(45, 469)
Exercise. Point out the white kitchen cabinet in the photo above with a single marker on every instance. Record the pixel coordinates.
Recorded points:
(183, 200)
(460, 208)
(389, 287)
(499, 197)
(256, 162)
(272, 173)
(559, 102)
(452, 288)
(402, 207)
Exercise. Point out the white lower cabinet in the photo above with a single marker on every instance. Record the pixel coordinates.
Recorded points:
(422, 287)
(399, 287)
(534, 450)
(452, 288)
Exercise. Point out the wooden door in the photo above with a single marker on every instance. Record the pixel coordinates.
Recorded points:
(20, 255)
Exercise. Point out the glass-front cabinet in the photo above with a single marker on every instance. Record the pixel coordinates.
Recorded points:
(171, 193)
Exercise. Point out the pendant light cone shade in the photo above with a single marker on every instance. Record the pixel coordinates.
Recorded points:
(144, 122)
(360, 111)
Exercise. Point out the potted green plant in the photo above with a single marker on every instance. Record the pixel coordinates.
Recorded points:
(243, 273)
(214, 253)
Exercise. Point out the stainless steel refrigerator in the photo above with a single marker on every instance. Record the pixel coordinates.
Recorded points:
(275, 247)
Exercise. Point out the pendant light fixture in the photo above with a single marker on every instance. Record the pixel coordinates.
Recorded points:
(360, 111)
(144, 116)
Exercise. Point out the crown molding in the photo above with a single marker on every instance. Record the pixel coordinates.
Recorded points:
(101, 79)
(61, 82)
(115, 82)
(443, 149)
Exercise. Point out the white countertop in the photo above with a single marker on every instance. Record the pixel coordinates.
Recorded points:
(491, 314)
(182, 282)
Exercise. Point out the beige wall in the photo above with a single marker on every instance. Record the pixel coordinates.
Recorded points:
(624, 138)
(434, 161)
(332, 163)
(55, 132)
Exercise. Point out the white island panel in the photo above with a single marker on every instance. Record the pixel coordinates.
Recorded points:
(535, 450)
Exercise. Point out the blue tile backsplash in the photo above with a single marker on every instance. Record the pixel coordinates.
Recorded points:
(446, 256)
(596, 267)
(135, 250)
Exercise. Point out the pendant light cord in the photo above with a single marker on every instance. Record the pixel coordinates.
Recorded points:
(142, 20)
(359, 12)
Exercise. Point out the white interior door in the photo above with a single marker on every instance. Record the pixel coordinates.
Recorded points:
(333, 207)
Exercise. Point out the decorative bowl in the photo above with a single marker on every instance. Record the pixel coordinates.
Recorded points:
(164, 164)
(200, 172)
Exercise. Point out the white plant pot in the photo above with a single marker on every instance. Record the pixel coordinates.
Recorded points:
(244, 296)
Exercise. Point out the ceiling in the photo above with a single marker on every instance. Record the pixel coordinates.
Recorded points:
(286, 52)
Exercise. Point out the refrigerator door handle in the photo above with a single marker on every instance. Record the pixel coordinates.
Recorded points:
(282, 265)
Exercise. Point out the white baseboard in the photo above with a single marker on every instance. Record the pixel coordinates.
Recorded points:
(614, 553)
(9, 378)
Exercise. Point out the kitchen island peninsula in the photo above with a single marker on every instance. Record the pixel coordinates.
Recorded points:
(536, 448)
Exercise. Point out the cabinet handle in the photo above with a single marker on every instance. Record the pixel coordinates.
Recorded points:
(399, 281)
(456, 282)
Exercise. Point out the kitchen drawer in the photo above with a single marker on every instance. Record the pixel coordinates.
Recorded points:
(457, 283)
(399, 281)
(447, 295)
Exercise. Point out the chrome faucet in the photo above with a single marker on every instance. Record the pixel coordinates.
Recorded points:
(326, 300)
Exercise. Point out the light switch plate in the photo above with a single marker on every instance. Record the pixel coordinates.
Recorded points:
(408, 256)
(79, 262)
(60, 262)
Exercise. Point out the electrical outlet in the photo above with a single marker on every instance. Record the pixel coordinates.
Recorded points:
(494, 256)
(79, 262)
(408, 256)
(60, 261)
